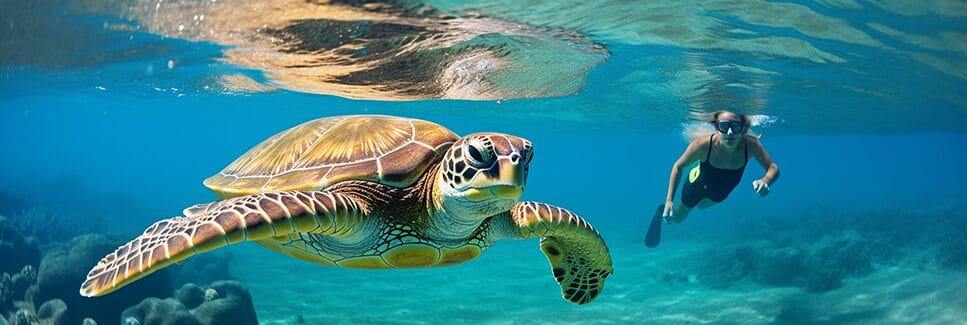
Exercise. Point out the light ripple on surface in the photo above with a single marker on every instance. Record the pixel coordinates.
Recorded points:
(382, 51)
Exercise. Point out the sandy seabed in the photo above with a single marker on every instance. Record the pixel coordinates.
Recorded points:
(512, 284)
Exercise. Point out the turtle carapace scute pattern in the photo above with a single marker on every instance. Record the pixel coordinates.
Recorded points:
(371, 191)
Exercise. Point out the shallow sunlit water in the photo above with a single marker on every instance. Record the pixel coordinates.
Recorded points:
(112, 114)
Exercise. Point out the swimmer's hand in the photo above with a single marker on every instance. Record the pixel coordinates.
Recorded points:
(761, 187)
(669, 210)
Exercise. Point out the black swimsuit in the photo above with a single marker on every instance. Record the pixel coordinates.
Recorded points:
(711, 182)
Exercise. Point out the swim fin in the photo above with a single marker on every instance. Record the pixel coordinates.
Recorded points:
(653, 237)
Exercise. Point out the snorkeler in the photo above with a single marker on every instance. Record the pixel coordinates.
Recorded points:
(723, 156)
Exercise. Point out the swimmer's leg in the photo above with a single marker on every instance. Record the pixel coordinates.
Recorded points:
(706, 203)
(681, 212)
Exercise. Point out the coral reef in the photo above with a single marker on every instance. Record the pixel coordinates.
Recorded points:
(24, 317)
(65, 267)
(52, 282)
(816, 267)
(834, 258)
(14, 287)
(190, 295)
(818, 249)
(29, 279)
(53, 312)
(230, 303)
(16, 248)
(721, 267)
(47, 227)
(223, 302)
(204, 268)
(157, 311)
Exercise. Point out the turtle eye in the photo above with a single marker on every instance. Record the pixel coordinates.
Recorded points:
(480, 156)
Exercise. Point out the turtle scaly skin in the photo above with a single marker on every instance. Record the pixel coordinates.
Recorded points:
(371, 192)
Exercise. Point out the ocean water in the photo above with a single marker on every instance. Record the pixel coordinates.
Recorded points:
(112, 114)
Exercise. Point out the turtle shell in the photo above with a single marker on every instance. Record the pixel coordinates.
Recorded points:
(390, 150)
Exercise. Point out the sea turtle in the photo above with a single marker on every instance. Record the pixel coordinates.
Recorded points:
(371, 191)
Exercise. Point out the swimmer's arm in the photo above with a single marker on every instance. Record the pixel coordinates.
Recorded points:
(691, 154)
(760, 154)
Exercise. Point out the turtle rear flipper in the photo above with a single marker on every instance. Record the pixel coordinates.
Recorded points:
(209, 226)
(579, 257)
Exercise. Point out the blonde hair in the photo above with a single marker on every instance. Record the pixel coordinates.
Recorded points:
(701, 124)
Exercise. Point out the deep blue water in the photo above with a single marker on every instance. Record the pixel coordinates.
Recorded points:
(865, 120)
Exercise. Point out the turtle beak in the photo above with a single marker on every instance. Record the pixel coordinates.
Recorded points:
(512, 171)
(511, 179)
(507, 181)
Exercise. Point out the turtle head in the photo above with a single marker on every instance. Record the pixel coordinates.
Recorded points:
(484, 174)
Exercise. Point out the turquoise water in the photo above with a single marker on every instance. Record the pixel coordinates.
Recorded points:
(112, 114)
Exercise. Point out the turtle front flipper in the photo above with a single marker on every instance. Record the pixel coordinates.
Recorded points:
(578, 255)
(209, 226)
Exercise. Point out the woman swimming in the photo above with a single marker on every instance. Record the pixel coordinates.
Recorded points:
(722, 157)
